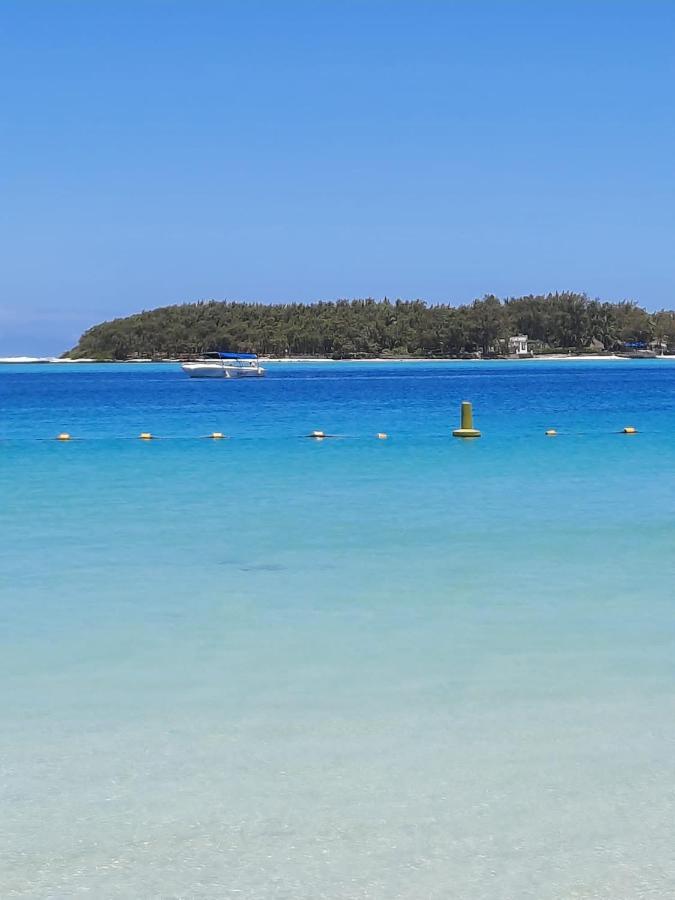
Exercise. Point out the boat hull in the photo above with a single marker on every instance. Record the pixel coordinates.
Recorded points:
(216, 370)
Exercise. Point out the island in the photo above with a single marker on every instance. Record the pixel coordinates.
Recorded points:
(536, 324)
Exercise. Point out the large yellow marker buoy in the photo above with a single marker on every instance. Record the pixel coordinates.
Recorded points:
(466, 429)
(64, 436)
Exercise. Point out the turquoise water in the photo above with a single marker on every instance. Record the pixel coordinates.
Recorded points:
(274, 668)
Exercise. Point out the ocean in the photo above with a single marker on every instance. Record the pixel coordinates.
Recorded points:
(272, 667)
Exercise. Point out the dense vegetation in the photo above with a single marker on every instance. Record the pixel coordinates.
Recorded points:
(355, 328)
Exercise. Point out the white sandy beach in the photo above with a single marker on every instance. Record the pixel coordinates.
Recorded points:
(55, 360)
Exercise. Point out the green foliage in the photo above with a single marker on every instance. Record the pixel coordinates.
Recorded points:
(367, 328)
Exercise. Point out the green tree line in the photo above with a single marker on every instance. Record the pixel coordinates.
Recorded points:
(365, 328)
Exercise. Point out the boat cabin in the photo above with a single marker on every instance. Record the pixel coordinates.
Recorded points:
(233, 359)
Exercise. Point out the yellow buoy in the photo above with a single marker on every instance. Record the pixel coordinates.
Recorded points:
(630, 430)
(217, 435)
(466, 429)
(317, 434)
(64, 436)
(145, 436)
(551, 432)
(381, 435)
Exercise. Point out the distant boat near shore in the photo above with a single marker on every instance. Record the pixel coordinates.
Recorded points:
(638, 354)
(224, 365)
(638, 350)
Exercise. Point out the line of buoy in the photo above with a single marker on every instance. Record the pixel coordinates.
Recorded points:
(466, 430)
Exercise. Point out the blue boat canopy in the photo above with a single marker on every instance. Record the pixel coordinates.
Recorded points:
(237, 355)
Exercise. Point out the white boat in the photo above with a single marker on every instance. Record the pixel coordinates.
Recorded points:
(224, 365)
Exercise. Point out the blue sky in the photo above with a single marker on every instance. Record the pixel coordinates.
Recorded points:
(154, 152)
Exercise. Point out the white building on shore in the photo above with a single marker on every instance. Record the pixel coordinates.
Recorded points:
(518, 345)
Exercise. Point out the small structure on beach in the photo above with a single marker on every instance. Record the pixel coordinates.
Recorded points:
(518, 345)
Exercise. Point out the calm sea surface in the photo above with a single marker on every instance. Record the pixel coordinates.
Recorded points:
(269, 667)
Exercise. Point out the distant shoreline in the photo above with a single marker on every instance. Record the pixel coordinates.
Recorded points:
(551, 357)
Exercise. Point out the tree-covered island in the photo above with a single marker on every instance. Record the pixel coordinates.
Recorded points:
(347, 329)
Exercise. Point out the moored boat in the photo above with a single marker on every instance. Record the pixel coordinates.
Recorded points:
(224, 365)
(637, 350)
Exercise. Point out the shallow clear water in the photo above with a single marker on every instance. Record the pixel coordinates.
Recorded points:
(274, 668)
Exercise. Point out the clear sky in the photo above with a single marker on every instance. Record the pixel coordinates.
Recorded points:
(155, 151)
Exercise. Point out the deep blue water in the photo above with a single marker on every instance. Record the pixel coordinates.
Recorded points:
(414, 400)
(269, 667)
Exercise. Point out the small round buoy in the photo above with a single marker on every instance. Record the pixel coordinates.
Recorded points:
(551, 432)
(630, 430)
(145, 436)
(64, 436)
(381, 435)
(317, 434)
(217, 435)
